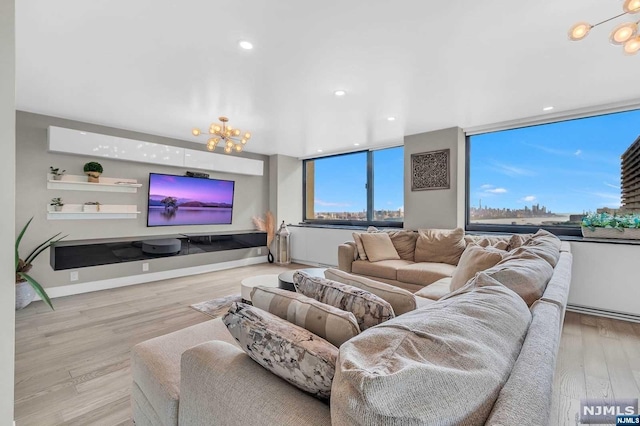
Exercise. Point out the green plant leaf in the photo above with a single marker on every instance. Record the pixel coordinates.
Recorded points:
(18, 242)
(42, 247)
(38, 289)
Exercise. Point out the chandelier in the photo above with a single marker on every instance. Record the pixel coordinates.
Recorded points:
(221, 132)
(625, 34)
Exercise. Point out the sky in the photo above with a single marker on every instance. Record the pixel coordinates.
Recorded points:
(569, 167)
(196, 189)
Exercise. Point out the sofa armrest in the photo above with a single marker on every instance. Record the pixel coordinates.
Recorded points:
(220, 384)
(346, 256)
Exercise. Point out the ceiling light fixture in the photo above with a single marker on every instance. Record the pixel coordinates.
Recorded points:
(391, 119)
(549, 108)
(319, 150)
(356, 144)
(246, 45)
(225, 134)
(625, 34)
(339, 93)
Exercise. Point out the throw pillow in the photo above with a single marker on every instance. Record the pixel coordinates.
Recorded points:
(332, 324)
(405, 243)
(446, 361)
(518, 240)
(523, 272)
(546, 245)
(288, 351)
(360, 248)
(401, 300)
(440, 245)
(378, 246)
(368, 308)
(474, 259)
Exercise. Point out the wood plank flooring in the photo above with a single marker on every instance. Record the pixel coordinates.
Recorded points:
(72, 364)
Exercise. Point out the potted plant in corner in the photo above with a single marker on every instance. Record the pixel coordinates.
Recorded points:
(26, 286)
(605, 225)
(56, 173)
(93, 170)
(57, 204)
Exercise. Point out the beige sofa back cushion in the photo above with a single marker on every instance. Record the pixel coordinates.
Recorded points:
(475, 259)
(400, 300)
(546, 245)
(405, 243)
(378, 246)
(471, 342)
(333, 324)
(440, 245)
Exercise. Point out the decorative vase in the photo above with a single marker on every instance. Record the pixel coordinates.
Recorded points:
(57, 208)
(57, 177)
(624, 234)
(94, 177)
(24, 294)
(91, 208)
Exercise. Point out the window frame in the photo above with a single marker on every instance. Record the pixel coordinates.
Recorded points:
(370, 194)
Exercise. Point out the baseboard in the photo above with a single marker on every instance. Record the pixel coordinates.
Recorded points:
(603, 313)
(69, 290)
(314, 264)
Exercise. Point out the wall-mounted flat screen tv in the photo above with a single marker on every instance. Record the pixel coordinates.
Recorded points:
(183, 200)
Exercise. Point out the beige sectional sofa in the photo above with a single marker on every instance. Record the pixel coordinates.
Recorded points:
(200, 376)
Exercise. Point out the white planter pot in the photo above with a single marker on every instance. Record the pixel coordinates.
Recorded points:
(625, 234)
(24, 294)
(90, 208)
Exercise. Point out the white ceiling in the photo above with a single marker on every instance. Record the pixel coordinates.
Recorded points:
(164, 67)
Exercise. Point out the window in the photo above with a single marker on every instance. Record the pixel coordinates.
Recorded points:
(548, 175)
(361, 188)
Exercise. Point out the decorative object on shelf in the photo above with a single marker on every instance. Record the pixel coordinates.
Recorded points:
(227, 134)
(268, 225)
(56, 173)
(430, 170)
(57, 204)
(93, 170)
(283, 245)
(605, 225)
(625, 34)
(91, 206)
(26, 286)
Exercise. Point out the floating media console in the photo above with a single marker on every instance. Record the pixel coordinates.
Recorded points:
(85, 253)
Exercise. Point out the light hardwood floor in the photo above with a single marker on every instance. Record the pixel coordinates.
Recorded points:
(72, 364)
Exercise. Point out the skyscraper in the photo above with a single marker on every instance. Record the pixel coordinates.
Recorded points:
(630, 178)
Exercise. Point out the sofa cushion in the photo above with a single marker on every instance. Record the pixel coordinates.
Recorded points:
(475, 259)
(440, 245)
(523, 272)
(405, 243)
(400, 300)
(368, 308)
(448, 360)
(435, 291)
(361, 254)
(500, 242)
(378, 246)
(424, 273)
(546, 245)
(332, 324)
(383, 269)
(518, 240)
(288, 351)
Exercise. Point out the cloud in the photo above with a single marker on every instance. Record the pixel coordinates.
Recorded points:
(578, 153)
(611, 186)
(512, 171)
(330, 204)
(497, 191)
(486, 186)
(529, 198)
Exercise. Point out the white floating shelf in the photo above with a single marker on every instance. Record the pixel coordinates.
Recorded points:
(107, 211)
(80, 183)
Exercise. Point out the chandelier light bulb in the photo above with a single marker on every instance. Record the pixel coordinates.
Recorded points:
(229, 143)
(236, 132)
(579, 31)
(195, 132)
(632, 46)
(220, 132)
(623, 33)
(243, 141)
(631, 6)
(238, 148)
(227, 149)
(247, 135)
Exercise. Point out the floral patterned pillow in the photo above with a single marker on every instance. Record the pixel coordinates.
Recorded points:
(368, 308)
(288, 351)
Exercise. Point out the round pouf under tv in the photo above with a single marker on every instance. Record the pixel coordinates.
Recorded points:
(167, 246)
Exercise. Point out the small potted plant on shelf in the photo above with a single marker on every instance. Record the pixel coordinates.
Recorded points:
(606, 225)
(93, 170)
(26, 286)
(91, 206)
(57, 204)
(56, 173)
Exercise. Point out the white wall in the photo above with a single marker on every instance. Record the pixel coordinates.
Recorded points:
(251, 198)
(285, 188)
(7, 199)
(317, 246)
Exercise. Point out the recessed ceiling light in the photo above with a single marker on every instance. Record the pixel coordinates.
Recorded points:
(246, 45)
(356, 144)
(319, 150)
(83, 133)
(391, 119)
(339, 93)
(549, 108)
